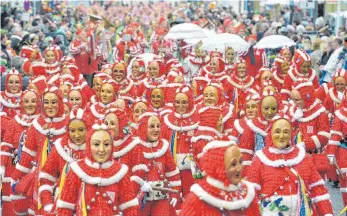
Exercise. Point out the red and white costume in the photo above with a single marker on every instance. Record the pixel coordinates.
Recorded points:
(10, 102)
(137, 81)
(236, 88)
(78, 50)
(215, 76)
(40, 136)
(53, 173)
(336, 148)
(311, 124)
(323, 91)
(53, 68)
(98, 188)
(11, 149)
(195, 63)
(277, 75)
(125, 87)
(294, 75)
(179, 130)
(275, 173)
(215, 195)
(155, 166)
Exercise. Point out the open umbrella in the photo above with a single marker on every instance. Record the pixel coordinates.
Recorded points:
(209, 34)
(225, 40)
(185, 31)
(146, 57)
(274, 42)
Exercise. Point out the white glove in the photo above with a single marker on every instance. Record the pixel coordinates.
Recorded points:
(173, 202)
(298, 114)
(48, 208)
(146, 187)
(331, 159)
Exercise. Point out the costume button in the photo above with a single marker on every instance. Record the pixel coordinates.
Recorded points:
(281, 187)
(187, 140)
(93, 200)
(104, 195)
(109, 202)
(88, 207)
(286, 178)
(114, 208)
(97, 193)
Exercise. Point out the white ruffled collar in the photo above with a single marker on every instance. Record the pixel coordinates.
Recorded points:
(274, 150)
(57, 119)
(77, 147)
(220, 185)
(96, 165)
(8, 94)
(117, 143)
(282, 162)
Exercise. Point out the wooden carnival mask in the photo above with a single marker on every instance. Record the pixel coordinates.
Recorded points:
(157, 98)
(210, 96)
(153, 130)
(281, 133)
(101, 146)
(77, 132)
(233, 164)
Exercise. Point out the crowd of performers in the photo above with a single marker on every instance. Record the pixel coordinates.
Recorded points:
(227, 140)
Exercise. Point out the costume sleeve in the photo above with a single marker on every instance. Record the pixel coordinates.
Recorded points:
(74, 48)
(328, 104)
(139, 170)
(318, 192)
(336, 136)
(48, 177)
(28, 155)
(129, 204)
(246, 145)
(191, 206)
(287, 87)
(6, 146)
(315, 81)
(66, 204)
(254, 173)
(320, 139)
(172, 173)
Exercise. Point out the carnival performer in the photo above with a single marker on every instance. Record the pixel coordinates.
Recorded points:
(77, 98)
(179, 127)
(280, 70)
(138, 108)
(98, 184)
(286, 177)
(215, 70)
(124, 86)
(195, 61)
(300, 71)
(12, 148)
(67, 149)
(251, 133)
(222, 192)
(98, 80)
(333, 99)
(10, 98)
(52, 55)
(237, 84)
(336, 149)
(311, 124)
(50, 126)
(229, 60)
(138, 74)
(107, 99)
(117, 121)
(155, 171)
(80, 49)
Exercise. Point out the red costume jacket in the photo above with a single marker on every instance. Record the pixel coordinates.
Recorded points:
(331, 102)
(51, 173)
(124, 150)
(43, 131)
(323, 91)
(179, 131)
(276, 172)
(194, 63)
(10, 103)
(105, 188)
(79, 52)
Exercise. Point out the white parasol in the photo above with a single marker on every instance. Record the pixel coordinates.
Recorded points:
(146, 57)
(274, 42)
(185, 31)
(209, 33)
(225, 40)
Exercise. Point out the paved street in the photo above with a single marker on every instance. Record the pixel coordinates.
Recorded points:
(336, 198)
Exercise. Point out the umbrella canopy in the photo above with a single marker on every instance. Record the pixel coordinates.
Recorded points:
(209, 34)
(185, 31)
(225, 40)
(274, 42)
(146, 57)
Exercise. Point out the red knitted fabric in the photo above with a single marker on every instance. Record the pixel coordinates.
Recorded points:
(307, 93)
(300, 56)
(38, 69)
(209, 116)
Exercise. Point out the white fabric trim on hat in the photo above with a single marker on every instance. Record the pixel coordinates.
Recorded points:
(146, 114)
(305, 56)
(217, 144)
(333, 96)
(301, 85)
(8, 104)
